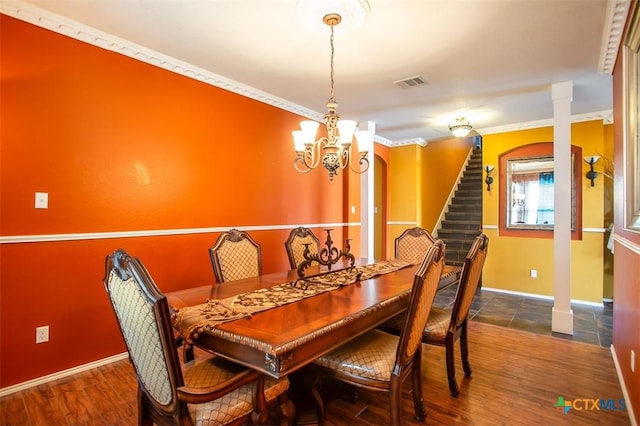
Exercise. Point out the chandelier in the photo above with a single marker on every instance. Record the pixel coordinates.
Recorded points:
(335, 150)
(460, 128)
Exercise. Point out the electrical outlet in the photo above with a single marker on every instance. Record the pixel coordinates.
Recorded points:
(534, 273)
(42, 200)
(633, 361)
(42, 334)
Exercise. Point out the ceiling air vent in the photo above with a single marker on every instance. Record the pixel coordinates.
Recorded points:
(414, 81)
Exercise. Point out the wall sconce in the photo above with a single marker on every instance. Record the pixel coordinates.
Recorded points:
(591, 174)
(488, 180)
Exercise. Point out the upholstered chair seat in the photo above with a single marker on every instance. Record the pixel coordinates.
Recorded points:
(232, 406)
(435, 331)
(437, 326)
(371, 356)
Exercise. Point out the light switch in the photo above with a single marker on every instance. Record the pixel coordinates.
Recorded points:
(42, 200)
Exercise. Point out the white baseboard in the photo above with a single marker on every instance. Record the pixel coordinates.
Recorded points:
(627, 401)
(539, 296)
(60, 374)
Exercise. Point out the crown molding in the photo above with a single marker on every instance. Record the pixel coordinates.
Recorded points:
(617, 11)
(412, 141)
(605, 116)
(383, 141)
(70, 28)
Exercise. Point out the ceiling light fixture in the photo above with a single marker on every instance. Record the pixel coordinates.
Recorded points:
(460, 128)
(334, 150)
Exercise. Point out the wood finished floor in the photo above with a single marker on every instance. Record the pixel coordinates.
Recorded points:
(517, 378)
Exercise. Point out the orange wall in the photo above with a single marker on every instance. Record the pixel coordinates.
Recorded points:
(121, 145)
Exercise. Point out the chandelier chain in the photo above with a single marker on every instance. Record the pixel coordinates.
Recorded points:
(331, 99)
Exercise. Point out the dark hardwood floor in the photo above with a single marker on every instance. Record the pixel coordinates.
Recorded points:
(517, 379)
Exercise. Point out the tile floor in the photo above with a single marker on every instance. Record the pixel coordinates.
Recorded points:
(591, 324)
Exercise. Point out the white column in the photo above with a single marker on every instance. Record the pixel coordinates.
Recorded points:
(367, 181)
(562, 315)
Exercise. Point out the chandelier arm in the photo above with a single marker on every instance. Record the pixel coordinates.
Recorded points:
(296, 164)
(344, 157)
(311, 156)
(364, 165)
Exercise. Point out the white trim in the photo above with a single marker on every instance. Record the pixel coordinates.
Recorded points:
(540, 296)
(617, 11)
(627, 243)
(598, 230)
(605, 116)
(382, 141)
(13, 239)
(489, 226)
(412, 141)
(399, 222)
(76, 30)
(61, 374)
(623, 387)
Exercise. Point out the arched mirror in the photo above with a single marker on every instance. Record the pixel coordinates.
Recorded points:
(527, 191)
(530, 183)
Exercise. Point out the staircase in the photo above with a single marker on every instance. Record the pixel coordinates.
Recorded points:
(463, 221)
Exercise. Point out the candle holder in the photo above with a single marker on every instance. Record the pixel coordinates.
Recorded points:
(328, 256)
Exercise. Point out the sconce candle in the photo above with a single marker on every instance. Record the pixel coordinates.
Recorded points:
(488, 180)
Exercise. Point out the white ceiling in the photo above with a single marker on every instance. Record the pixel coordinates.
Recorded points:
(491, 61)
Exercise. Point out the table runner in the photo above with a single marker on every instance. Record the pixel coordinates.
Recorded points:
(190, 321)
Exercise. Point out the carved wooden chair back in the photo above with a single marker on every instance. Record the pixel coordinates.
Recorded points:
(412, 245)
(235, 256)
(295, 245)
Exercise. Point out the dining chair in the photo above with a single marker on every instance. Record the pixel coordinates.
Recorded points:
(207, 390)
(295, 245)
(379, 361)
(235, 256)
(446, 326)
(412, 244)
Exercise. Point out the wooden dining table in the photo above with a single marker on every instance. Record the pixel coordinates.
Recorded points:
(281, 340)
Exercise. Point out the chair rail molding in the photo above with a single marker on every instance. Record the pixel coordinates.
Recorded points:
(14, 239)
